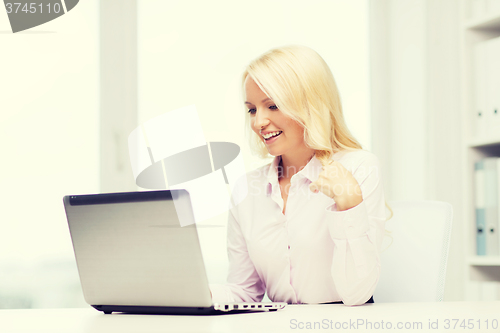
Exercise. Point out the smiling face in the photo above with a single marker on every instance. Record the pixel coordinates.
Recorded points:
(280, 133)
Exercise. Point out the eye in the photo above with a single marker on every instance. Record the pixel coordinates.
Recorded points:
(252, 111)
(273, 107)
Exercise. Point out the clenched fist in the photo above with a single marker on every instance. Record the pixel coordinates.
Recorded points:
(338, 183)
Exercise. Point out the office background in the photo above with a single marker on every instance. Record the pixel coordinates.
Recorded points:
(74, 88)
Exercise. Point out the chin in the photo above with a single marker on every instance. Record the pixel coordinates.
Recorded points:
(274, 153)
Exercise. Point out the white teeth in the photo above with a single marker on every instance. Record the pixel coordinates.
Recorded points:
(268, 135)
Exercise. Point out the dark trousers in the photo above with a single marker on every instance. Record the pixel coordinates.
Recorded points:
(368, 301)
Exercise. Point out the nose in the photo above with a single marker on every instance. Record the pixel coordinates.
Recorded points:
(261, 119)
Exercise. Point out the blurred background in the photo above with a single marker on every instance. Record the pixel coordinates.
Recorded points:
(74, 88)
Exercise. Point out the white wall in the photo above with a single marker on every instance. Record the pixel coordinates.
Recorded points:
(415, 84)
(49, 140)
(195, 52)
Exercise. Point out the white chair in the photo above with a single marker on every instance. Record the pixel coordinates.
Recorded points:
(414, 265)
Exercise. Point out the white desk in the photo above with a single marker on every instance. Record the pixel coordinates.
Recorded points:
(288, 320)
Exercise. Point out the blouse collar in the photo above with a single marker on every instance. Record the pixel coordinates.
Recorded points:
(311, 171)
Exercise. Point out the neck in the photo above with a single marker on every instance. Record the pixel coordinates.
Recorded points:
(291, 164)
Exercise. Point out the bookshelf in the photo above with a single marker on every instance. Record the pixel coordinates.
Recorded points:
(480, 21)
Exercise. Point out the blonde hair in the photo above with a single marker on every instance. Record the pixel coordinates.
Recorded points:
(302, 86)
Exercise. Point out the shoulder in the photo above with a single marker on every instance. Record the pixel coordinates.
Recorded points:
(353, 159)
(260, 172)
(362, 164)
(249, 186)
(254, 177)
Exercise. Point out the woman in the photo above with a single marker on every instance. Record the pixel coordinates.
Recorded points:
(311, 226)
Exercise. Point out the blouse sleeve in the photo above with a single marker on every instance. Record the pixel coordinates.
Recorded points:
(243, 282)
(357, 234)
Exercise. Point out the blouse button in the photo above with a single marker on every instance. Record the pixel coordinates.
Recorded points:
(289, 247)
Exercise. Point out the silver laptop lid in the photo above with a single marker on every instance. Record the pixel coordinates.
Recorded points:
(136, 248)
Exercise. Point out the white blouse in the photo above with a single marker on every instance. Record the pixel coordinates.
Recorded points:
(313, 253)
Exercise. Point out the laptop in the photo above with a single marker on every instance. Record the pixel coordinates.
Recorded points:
(139, 252)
